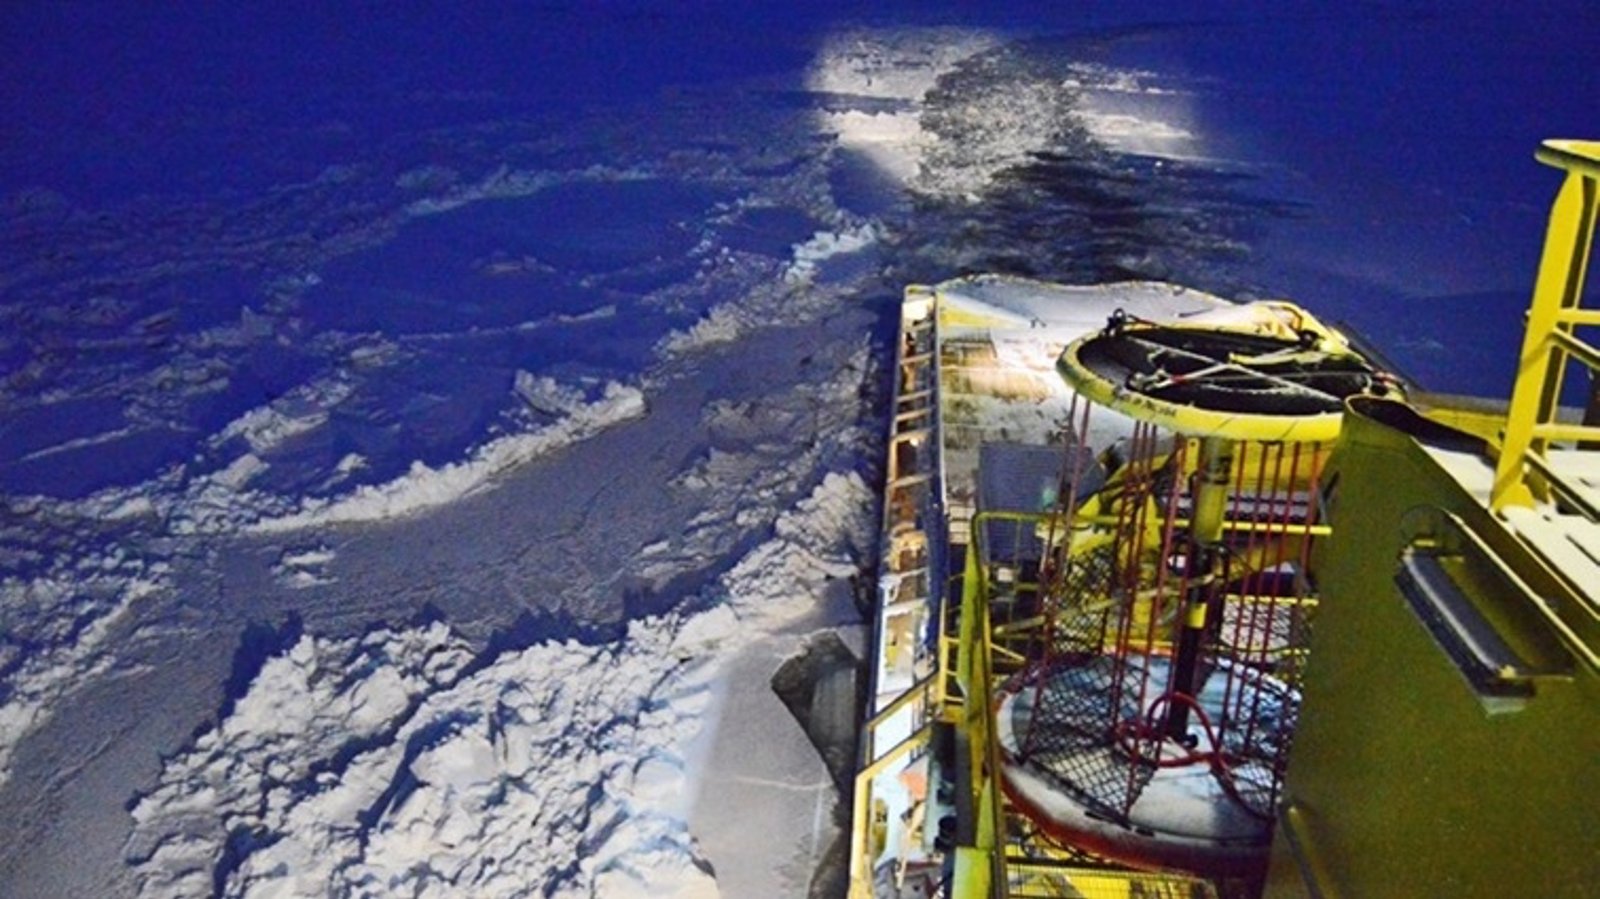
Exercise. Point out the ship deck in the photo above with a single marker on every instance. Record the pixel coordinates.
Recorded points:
(1560, 533)
(975, 381)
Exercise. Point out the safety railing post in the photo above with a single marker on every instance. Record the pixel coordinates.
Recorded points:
(1552, 315)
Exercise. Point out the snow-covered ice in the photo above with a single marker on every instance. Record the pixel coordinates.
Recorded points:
(398, 763)
(73, 615)
(411, 487)
(423, 487)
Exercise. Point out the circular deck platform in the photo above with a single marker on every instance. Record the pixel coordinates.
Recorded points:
(1097, 778)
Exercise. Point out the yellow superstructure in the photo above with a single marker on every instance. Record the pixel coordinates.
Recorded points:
(1445, 556)
(1451, 742)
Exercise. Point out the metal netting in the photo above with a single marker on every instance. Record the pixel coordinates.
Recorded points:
(1109, 699)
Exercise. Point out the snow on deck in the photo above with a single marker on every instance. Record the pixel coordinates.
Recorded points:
(1569, 542)
(999, 341)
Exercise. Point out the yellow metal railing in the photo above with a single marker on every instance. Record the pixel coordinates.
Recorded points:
(1037, 879)
(1000, 862)
(979, 866)
(908, 719)
(1551, 342)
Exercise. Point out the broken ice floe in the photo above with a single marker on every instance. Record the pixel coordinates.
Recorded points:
(396, 763)
(67, 617)
(425, 487)
(304, 568)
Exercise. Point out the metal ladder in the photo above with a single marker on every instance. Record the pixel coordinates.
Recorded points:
(1547, 478)
(1551, 342)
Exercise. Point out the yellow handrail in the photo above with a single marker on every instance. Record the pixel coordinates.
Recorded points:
(1549, 343)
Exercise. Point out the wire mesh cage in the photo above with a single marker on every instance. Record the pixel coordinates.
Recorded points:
(1172, 631)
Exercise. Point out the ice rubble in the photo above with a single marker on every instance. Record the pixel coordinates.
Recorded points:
(1132, 111)
(956, 152)
(798, 293)
(405, 748)
(221, 503)
(825, 245)
(73, 613)
(889, 72)
(304, 568)
(266, 427)
(506, 181)
(424, 487)
(398, 764)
